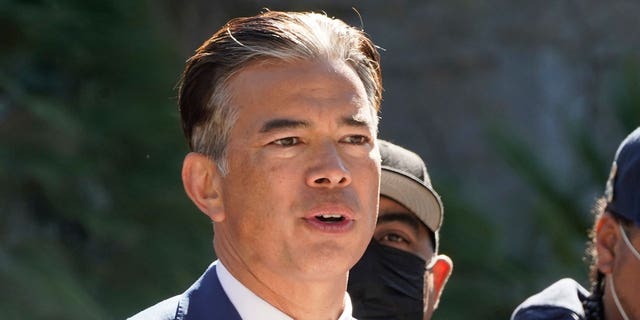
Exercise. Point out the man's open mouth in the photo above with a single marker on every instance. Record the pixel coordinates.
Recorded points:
(330, 218)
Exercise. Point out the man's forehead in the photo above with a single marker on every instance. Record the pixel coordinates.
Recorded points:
(393, 215)
(405, 217)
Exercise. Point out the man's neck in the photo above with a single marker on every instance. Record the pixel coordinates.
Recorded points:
(297, 298)
(610, 311)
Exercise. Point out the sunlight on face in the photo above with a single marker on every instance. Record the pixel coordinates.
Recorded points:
(301, 193)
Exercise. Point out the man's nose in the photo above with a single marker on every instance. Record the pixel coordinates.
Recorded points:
(328, 169)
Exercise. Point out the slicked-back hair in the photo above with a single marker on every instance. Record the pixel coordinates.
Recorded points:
(204, 98)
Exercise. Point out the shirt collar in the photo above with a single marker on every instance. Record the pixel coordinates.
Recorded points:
(346, 312)
(250, 306)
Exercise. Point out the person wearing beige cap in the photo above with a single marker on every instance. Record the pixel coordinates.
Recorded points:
(401, 275)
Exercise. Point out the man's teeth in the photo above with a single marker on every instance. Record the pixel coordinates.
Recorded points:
(331, 216)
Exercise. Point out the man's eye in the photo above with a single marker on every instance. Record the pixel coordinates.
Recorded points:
(392, 237)
(287, 142)
(357, 139)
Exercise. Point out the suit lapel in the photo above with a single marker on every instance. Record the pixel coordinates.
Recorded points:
(206, 300)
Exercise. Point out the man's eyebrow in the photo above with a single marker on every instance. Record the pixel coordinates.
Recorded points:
(402, 217)
(353, 121)
(276, 124)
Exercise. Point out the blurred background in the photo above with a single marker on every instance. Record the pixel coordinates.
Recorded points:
(517, 107)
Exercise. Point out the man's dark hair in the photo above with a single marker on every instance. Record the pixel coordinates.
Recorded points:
(204, 99)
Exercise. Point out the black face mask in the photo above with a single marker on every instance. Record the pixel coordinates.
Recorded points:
(387, 283)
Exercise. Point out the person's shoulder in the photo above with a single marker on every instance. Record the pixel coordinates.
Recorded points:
(164, 310)
(561, 300)
(175, 307)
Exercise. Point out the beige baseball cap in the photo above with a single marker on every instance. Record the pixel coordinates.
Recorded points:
(405, 179)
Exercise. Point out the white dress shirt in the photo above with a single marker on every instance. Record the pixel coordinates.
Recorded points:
(251, 307)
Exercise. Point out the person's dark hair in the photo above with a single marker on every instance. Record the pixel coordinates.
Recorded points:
(591, 253)
(204, 99)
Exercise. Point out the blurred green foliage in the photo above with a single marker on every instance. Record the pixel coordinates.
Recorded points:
(93, 220)
(508, 271)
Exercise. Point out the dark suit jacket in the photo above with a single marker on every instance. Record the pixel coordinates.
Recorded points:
(205, 299)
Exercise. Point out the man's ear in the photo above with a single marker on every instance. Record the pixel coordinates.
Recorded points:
(606, 238)
(202, 182)
(441, 270)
